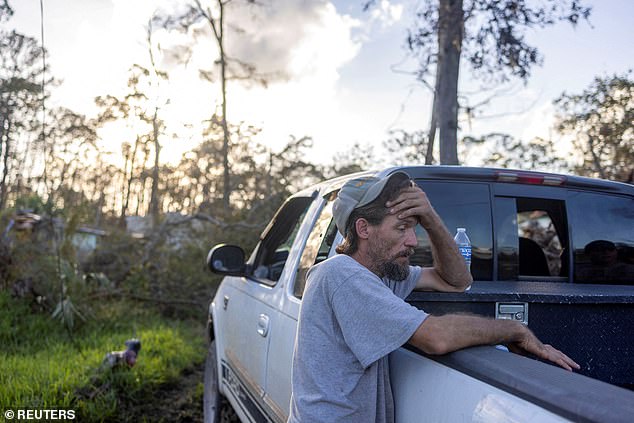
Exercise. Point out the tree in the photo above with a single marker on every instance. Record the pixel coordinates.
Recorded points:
(72, 146)
(140, 108)
(405, 147)
(355, 159)
(504, 151)
(21, 95)
(601, 122)
(215, 17)
(489, 34)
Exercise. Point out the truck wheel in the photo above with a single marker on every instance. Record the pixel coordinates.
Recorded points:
(216, 408)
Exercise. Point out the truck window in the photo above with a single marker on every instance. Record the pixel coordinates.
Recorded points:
(317, 247)
(537, 231)
(460, 205)
(531, 237)
(277, 239)
(602, 238)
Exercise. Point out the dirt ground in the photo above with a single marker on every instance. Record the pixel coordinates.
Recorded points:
(179, 402)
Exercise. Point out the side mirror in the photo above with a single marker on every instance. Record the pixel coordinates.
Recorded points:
(226, 260)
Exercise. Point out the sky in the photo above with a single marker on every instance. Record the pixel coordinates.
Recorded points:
(344, 72)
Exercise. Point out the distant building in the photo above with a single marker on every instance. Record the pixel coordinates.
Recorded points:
(47, 230)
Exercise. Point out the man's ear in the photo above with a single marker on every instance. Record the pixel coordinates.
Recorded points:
(363, 228)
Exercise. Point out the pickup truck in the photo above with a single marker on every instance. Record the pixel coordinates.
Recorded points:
(553, 251)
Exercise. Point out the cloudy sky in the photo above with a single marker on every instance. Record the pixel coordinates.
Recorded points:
(342, 72)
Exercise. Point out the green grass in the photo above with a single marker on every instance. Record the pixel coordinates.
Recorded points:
(42, 366)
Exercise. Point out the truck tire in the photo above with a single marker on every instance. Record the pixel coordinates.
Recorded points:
(216, 408)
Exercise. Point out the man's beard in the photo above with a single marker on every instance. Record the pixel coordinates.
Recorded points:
(388, 267)
(394, 271)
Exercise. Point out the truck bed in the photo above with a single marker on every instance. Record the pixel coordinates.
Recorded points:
(591, 323)
(484, 384)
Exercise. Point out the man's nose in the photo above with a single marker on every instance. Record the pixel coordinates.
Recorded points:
(411, 240)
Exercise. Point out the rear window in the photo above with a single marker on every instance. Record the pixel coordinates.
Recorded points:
(602, 228)
(540, 236)
(460, 205)
(531, 238)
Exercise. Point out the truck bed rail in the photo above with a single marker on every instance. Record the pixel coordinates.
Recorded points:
(572, 396)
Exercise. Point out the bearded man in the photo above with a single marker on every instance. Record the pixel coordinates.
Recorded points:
(353, 312)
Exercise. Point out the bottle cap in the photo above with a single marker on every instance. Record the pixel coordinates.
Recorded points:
(461, 229)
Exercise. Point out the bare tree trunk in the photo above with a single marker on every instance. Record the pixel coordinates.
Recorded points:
(225, 128)
(124, 197)
(595, 158)
(217, 27)
(450, 33)
(4, 140)
(127, 190)
(143, 181)
(269, 176)
(433, 124)
(154, 200)
(5, 171)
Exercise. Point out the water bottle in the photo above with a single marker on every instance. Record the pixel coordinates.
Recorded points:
(464, 245)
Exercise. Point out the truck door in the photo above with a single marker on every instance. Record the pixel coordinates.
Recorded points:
(317, 248)
(249, 310)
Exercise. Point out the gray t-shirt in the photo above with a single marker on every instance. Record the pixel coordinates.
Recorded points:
(349, 321)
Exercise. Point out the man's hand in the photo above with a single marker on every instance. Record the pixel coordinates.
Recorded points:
(449, 273)
(451, 332)
(530, 344)
(413, 201)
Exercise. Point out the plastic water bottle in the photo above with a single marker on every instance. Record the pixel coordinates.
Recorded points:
(464, 245)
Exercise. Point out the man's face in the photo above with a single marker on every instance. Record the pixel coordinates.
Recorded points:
(390, 245)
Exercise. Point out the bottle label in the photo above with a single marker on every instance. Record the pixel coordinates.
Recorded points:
(466, 253)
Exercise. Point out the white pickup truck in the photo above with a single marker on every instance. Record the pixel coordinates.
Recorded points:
(534, 240)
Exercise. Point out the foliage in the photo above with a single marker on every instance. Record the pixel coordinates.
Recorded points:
(71, 149)
(407, 148)
(494, 32)
(502, 150)
(490, 35)
(601, 122)
(40, 367)
(5, 10)
(139, 108)
(33, 263)
(356, 159)
(215, 15)
(20, 99)
(34, 203)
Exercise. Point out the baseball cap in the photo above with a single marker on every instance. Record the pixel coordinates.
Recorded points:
(357, 193)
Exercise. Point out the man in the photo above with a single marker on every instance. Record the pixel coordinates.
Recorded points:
(353, 314)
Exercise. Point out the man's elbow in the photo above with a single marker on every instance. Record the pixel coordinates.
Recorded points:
(430, 339)
(437, 347)
(460, 279)
(465, 280)
(460, 284)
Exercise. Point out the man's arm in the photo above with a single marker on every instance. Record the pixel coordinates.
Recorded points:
(450, 271)
(451, 332)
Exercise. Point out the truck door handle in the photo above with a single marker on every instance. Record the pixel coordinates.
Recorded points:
(512, 311)
(263, 325)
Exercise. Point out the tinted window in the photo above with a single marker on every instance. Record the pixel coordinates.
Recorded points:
(531, 238)
(536, 227)
(461, 205)
(602, 229)
(277, 240)
(317, 247)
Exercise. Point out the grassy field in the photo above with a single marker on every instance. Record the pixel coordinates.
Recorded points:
(43, 366)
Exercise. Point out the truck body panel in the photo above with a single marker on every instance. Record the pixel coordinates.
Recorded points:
(254, 315)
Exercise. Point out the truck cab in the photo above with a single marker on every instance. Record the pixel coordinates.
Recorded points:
(553, 251)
